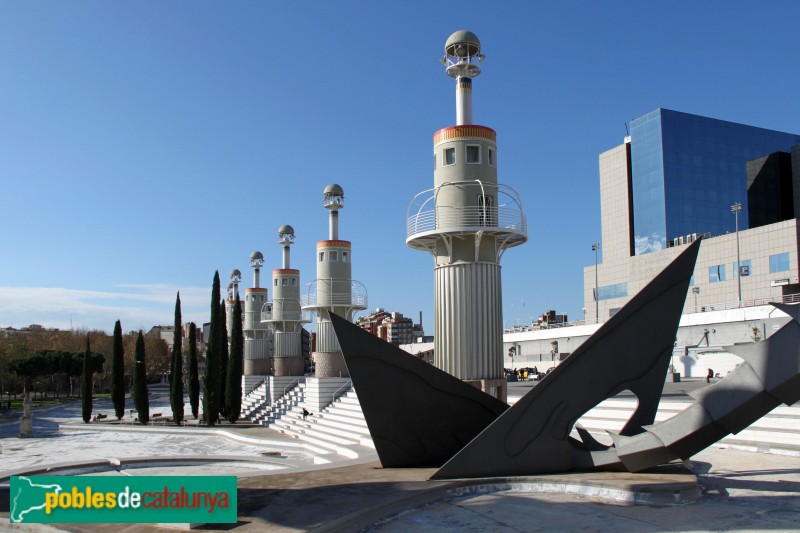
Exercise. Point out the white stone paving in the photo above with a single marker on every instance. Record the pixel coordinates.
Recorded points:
(53, 444)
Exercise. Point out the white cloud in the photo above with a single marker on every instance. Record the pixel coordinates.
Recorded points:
(136, 306)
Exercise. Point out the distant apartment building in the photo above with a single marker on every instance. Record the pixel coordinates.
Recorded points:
(33, 328)
(678, 177)
(392, 327)
(165, 333)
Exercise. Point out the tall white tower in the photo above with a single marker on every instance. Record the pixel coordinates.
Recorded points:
(284, 314)
(466, 222)
(257, 334)
(333, 290)
(230, 301)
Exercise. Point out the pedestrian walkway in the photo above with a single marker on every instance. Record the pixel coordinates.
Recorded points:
(722, 489)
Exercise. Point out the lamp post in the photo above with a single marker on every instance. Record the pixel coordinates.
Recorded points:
(595, 248)
(735, 209)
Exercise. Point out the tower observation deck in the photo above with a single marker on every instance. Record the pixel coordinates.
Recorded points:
(466, 221)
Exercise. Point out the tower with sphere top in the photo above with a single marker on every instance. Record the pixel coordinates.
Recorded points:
(257, 334)
(466, 222)
(334, 290)
(284, 314)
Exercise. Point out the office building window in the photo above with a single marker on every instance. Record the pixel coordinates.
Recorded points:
(779, 262)
(449, 156)
(473, 154)
(716, 273)
(609, 292)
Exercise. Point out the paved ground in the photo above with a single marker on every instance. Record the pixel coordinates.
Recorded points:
(740, 492)
(734, 490)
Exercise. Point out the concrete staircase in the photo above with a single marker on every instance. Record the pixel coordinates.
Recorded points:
(272, 412)
(339, 427)
(778, 432)
(255, 401)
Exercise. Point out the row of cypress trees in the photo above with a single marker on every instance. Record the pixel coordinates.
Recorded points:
(223, 374)
(139, 392)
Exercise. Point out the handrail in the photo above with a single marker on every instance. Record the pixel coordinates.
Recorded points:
(423, 216)
(261, 382)
(268, 312)
(335, 293)
(333, 396)
(290, 386)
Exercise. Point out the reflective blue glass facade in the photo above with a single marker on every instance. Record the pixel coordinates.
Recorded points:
(688, 170)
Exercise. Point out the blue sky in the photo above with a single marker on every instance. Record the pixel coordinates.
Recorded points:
(145, 145)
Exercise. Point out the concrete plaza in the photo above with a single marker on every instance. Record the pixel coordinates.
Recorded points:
(283, 487)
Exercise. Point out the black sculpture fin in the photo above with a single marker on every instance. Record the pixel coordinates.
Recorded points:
(418, 415)
(532, 436)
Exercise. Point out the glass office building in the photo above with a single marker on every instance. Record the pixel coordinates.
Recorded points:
(687, 171)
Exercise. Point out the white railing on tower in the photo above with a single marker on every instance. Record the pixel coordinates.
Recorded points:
(424, 215)
(269, 313)
(334, 293)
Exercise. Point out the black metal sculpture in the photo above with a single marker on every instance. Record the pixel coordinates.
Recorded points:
(417, 414)
(630, 351)
(421, 416)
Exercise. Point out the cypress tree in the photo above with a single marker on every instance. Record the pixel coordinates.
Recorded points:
(211, 395)
(140, 398)
(194, 379)
(86, 386)
(233, 388)
(223, 360)
(118, 373)
(176, 371)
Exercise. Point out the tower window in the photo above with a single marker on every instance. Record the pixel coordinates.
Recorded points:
(473, 154)
(492, 161)
(284, 282)
(449, 156)
(334, 255)
(276, 282)
(434, 160)
(294, 282)
(321, 257)
(345, 257)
